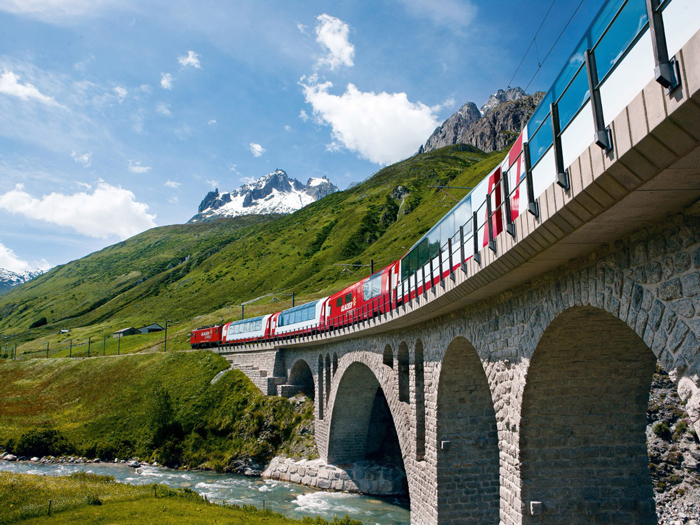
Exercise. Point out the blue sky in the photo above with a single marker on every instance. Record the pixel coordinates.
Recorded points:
(120, 115)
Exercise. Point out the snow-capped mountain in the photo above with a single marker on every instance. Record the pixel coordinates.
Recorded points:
(8, 278)
(272, 193)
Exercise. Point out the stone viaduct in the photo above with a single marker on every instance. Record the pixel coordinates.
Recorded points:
(518, 389)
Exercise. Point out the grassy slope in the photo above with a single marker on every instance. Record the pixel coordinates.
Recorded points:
(24, 498)
(105, 407)
(149, 277)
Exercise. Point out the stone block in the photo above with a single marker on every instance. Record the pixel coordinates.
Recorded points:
(691, 284)
(671, 289)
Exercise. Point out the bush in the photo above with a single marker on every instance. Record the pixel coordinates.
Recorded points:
(39, 322)
(661, 429)
(94, 500)
(41, 442)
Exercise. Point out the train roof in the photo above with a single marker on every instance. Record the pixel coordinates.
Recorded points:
(248, 320)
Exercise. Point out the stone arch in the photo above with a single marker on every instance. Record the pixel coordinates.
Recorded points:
(467, 440)
(301, 379)
(328, 376)
(583, 420)
(320, 384)
(363, 422)
(404, 371)
(419, 389)
(335, 363)
(388, 356)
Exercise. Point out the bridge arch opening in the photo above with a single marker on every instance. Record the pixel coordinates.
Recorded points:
(388, 356)
(328, 376)
(582, 437)
(362, 429)
(467, 440)
(403, 373)
(301, 379)
(320, 398)
(335, 363)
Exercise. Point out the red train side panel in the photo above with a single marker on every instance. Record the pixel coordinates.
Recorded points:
(206, 337)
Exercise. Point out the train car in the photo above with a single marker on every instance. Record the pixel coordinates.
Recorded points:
(499, 195)
(206, 337)
(364, 299)
(246, 330)
(305, 319)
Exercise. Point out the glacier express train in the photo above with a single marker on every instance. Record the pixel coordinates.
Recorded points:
(470, 225)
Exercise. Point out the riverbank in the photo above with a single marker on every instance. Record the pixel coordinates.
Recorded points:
(292, 501)
(88, 498)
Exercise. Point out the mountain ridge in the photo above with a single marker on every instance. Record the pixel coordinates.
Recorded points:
(274, 193)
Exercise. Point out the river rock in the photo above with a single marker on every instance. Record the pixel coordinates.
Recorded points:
(10, 457)
(133, 464)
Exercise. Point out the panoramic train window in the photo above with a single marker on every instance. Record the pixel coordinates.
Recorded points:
(299, 314)
(372, 287)
(429, 246)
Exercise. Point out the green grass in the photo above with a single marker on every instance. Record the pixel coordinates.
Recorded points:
(154, 406)
(88, 498)
(197, 274)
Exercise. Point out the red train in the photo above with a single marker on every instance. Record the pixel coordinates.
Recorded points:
(470, 225)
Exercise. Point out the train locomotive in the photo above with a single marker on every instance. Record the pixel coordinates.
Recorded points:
(473, 223)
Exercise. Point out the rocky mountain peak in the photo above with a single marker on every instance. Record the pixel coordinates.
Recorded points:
(501, 96)
(9, 279)
(491, 128)
(275, 192)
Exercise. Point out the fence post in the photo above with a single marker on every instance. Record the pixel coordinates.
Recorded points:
(70, 349)
(104, 344)
(119, 344)
(89, 343)
(165, 341)
(47, 350)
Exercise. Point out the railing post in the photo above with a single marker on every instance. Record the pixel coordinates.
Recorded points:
(529, 184)
(562, 175)
(425, 288)
(665, 70)
(601, 137)
(510, 227)
(440, 265)
(462, 262)
(475, 238)
(489, 222)
(449, 250)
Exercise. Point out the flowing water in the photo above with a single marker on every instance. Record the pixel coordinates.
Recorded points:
(290, 499)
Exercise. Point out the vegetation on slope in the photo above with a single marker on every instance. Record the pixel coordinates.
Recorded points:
(153, 406)
(184, 272)
(89, 498)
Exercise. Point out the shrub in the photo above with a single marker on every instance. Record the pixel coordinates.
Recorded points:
(680, 429)
(94, 500)
(39, 322)
(41, 442)
(661, 429)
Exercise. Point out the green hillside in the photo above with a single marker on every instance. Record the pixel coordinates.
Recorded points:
(194, 274)
(155, 406)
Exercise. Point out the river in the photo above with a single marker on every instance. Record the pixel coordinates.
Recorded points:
(289, 499)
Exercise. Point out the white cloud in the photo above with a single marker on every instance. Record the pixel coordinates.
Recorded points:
(163, 109)
(302, 28)
(213, 183)
(454, 14)
(55, 11)
(288, 128)
(303, 115)
(10, 85)
(191, 59)
(166, 81)
(381, 127)
(135, 167)
(85, 159)
(256, 149)
(172, 184)
(121, 93)
(211, 122)
(448, 103)
(332, 33)
(107, 211)
(234, 168)
(10, 261)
